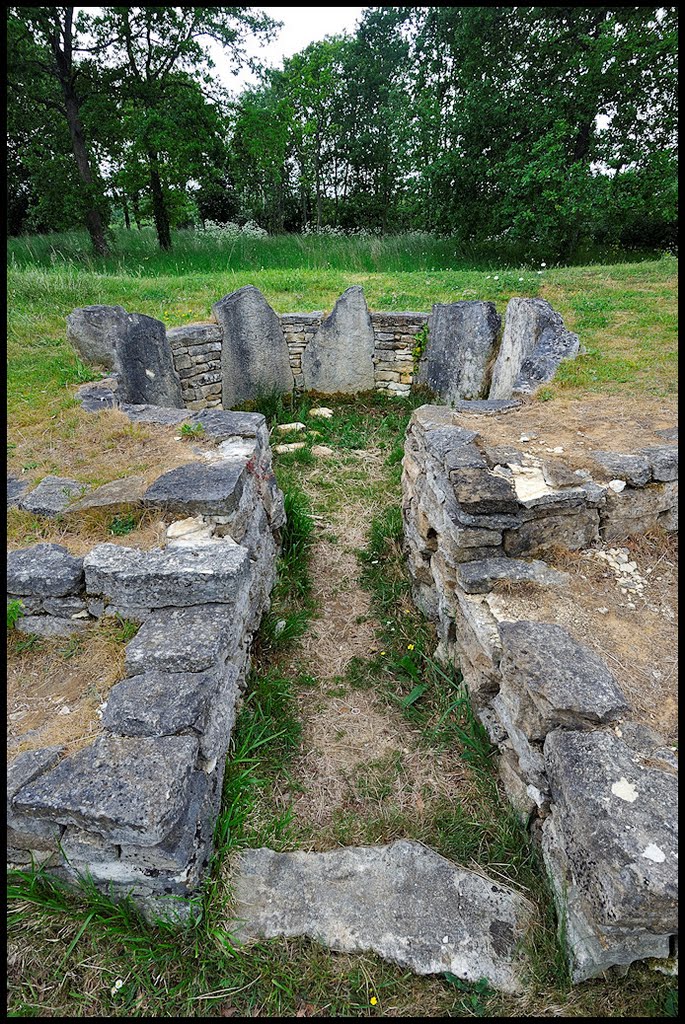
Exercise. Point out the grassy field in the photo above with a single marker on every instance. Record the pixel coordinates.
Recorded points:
(82, 956)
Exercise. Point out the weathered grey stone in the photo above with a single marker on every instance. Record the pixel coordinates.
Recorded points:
(534, 342)
(441, 441)
(199, 489)
(52, 495)
(95, 396)
(144, 413)
(558, 474)
(130, 790)
(573, 531)
(480, 491)
(254, 355)
(49, 626)
(636, 510)
(160, 703)
(190, 639)
(221, 424)
(515, 786)
(461, 342)
(556, 681)
(339, 358)
(479, 577)
(65, 607)
(24, 768)
(529, 753)
(192, 335)
(118, 494)
(487, 406)
(403, 901)
(44, 570)
(591, 949)
(670, 434)
(15, 490)
(634, 469)
(145, 364)
(618, 819)
(663, 461)
(173, 577)
(96, 332)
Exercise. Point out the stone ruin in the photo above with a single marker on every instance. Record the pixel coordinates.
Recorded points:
(135, 810)
(597, 790)
(248, 351)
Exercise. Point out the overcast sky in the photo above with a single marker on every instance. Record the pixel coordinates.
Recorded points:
(301, 26)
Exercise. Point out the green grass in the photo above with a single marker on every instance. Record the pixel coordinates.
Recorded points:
(138, 253)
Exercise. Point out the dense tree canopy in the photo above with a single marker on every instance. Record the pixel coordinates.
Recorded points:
(549, 126)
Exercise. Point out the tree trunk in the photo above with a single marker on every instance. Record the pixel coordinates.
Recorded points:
(127, 218)
(135, 203)
(94, 223)
(159, 210)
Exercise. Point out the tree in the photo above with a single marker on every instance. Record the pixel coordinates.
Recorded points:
(159, 53)
(43, 42)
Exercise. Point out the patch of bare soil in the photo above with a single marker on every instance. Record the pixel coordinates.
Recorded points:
(357, 752)
(635, 634)
(54, 690)
(598, 423)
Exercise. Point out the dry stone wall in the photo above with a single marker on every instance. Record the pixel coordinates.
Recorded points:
(458, 351)
(599, 791)
(135, 810)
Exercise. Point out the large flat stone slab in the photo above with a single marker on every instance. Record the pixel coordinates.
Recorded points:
(199, 488)
(160, 703)
(132, 790)
(534, 342)
(550, 680)
(254, 353)
(44, 570)
(402, 901)
(339, 358)
(481, 575)
(118, 494)
(145, 365)
(461, 342)
(222, 424)
(634, 469)
(51, 497)
(190, 639)
(616, 816)
(171, 578)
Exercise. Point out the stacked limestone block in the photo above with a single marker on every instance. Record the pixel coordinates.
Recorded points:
(299, 329)
(196, 349)
(136, 809)
(600, 789)
(396, 336)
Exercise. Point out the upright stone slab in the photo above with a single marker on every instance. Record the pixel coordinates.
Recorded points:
(461, 343)
(339, 358)
(96, 331)
(534, 342)
(145, 365)
(254, 354)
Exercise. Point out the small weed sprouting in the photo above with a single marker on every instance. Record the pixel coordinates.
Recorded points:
(122, 524)
(420, 346)
(190, 431)
(31, 643)
(15, 610)
(124, 630)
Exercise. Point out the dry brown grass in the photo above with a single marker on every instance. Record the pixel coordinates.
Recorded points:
(75, 673)
(94, 448)
(602, 422)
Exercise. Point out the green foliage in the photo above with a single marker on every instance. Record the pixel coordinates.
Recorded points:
(419, 346)
(192, 430)
(15, 609)
(122, 524)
